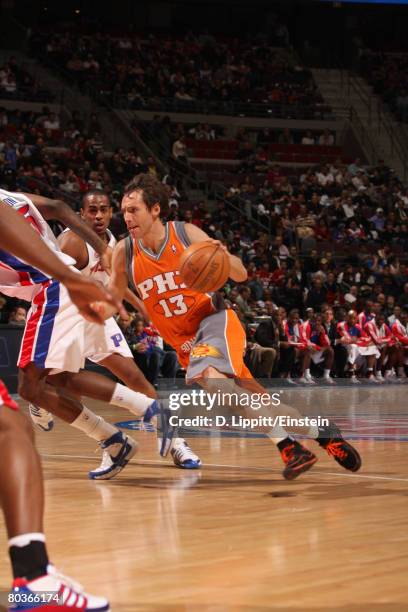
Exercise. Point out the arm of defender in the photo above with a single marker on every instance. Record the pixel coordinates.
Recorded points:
(60, 211)
(71, 244)
(18, 237)
(118, 282)
(238, 272)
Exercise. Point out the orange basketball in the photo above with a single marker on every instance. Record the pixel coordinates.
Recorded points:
(204, 266)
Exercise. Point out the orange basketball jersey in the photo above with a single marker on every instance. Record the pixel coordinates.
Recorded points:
(174, 309)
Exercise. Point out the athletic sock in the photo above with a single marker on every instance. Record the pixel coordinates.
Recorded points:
(326, 373)
(93, 425)
(134, 401)
(28, 555)
(307, 373)
(278, 434)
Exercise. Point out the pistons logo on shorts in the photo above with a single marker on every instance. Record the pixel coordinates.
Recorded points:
(205, 350)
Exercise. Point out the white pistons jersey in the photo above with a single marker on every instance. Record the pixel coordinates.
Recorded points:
(93, 267)
(17, 278)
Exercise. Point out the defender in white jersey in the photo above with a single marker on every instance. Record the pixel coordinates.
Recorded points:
(117, 357)
(56, 338)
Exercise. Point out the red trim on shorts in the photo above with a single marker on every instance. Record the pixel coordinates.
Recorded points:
(30, 333)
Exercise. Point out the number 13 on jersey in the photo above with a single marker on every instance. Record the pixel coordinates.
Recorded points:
(174, 306)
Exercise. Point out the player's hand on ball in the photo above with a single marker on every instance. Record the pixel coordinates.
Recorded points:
(218, 243)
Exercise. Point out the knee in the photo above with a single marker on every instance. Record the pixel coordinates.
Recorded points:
(12, 422)
(28, 388)
(210, 372)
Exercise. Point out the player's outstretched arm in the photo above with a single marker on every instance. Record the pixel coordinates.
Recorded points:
(118, 282)
(60, 211)
(18, 237)
(238, 271)
(71, 244)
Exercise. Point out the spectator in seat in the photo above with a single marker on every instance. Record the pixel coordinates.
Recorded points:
(326, 139)
(317, 295)
(308, 139)
(18, 316)
(243, 303)
(286, 352)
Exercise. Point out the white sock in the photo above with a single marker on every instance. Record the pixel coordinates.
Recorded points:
(93, 425)
(25, 538)
(307, 373)
(326, 373)
(277, 434)
(134, 401)
(177, 442)
(401, 371)
(313, 432)
(388, 372)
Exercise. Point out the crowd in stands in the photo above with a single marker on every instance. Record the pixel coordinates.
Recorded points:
(299, 309)
(388, 75)
(190, 72)
(18, 84)
(39, 153)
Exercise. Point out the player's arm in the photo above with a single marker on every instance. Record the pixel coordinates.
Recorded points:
(118, 282)
(60, 211)
(18, 237)
(137, 303)
(238, 272)
(71, 244)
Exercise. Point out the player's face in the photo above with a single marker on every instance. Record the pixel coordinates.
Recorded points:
(97, 212)
(138, 217)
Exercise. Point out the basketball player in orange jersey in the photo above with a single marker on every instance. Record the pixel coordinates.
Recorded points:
(21, 489)
(191, 321)
(96, 211)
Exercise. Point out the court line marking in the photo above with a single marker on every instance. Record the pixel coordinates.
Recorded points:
(237, 467)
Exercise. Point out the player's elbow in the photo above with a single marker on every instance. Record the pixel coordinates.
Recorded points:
(240, 275)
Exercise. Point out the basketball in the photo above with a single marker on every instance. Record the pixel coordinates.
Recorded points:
(204, 266)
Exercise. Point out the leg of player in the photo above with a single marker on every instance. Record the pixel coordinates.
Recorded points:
(118, 448)
(131, 375)
(296, 457)
(306, 377)
(97, 386)
(22, 489)
(328, 353)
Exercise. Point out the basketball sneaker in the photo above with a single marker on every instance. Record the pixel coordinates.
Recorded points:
(41, 417)
(307, 380)
(336, 446)
(53, 593)
(117, 452)
(183, 456)
(297, 459)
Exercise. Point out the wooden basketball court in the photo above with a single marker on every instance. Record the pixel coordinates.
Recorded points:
(234, 535)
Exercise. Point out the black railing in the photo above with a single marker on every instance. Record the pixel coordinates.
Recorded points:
(275, 110)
